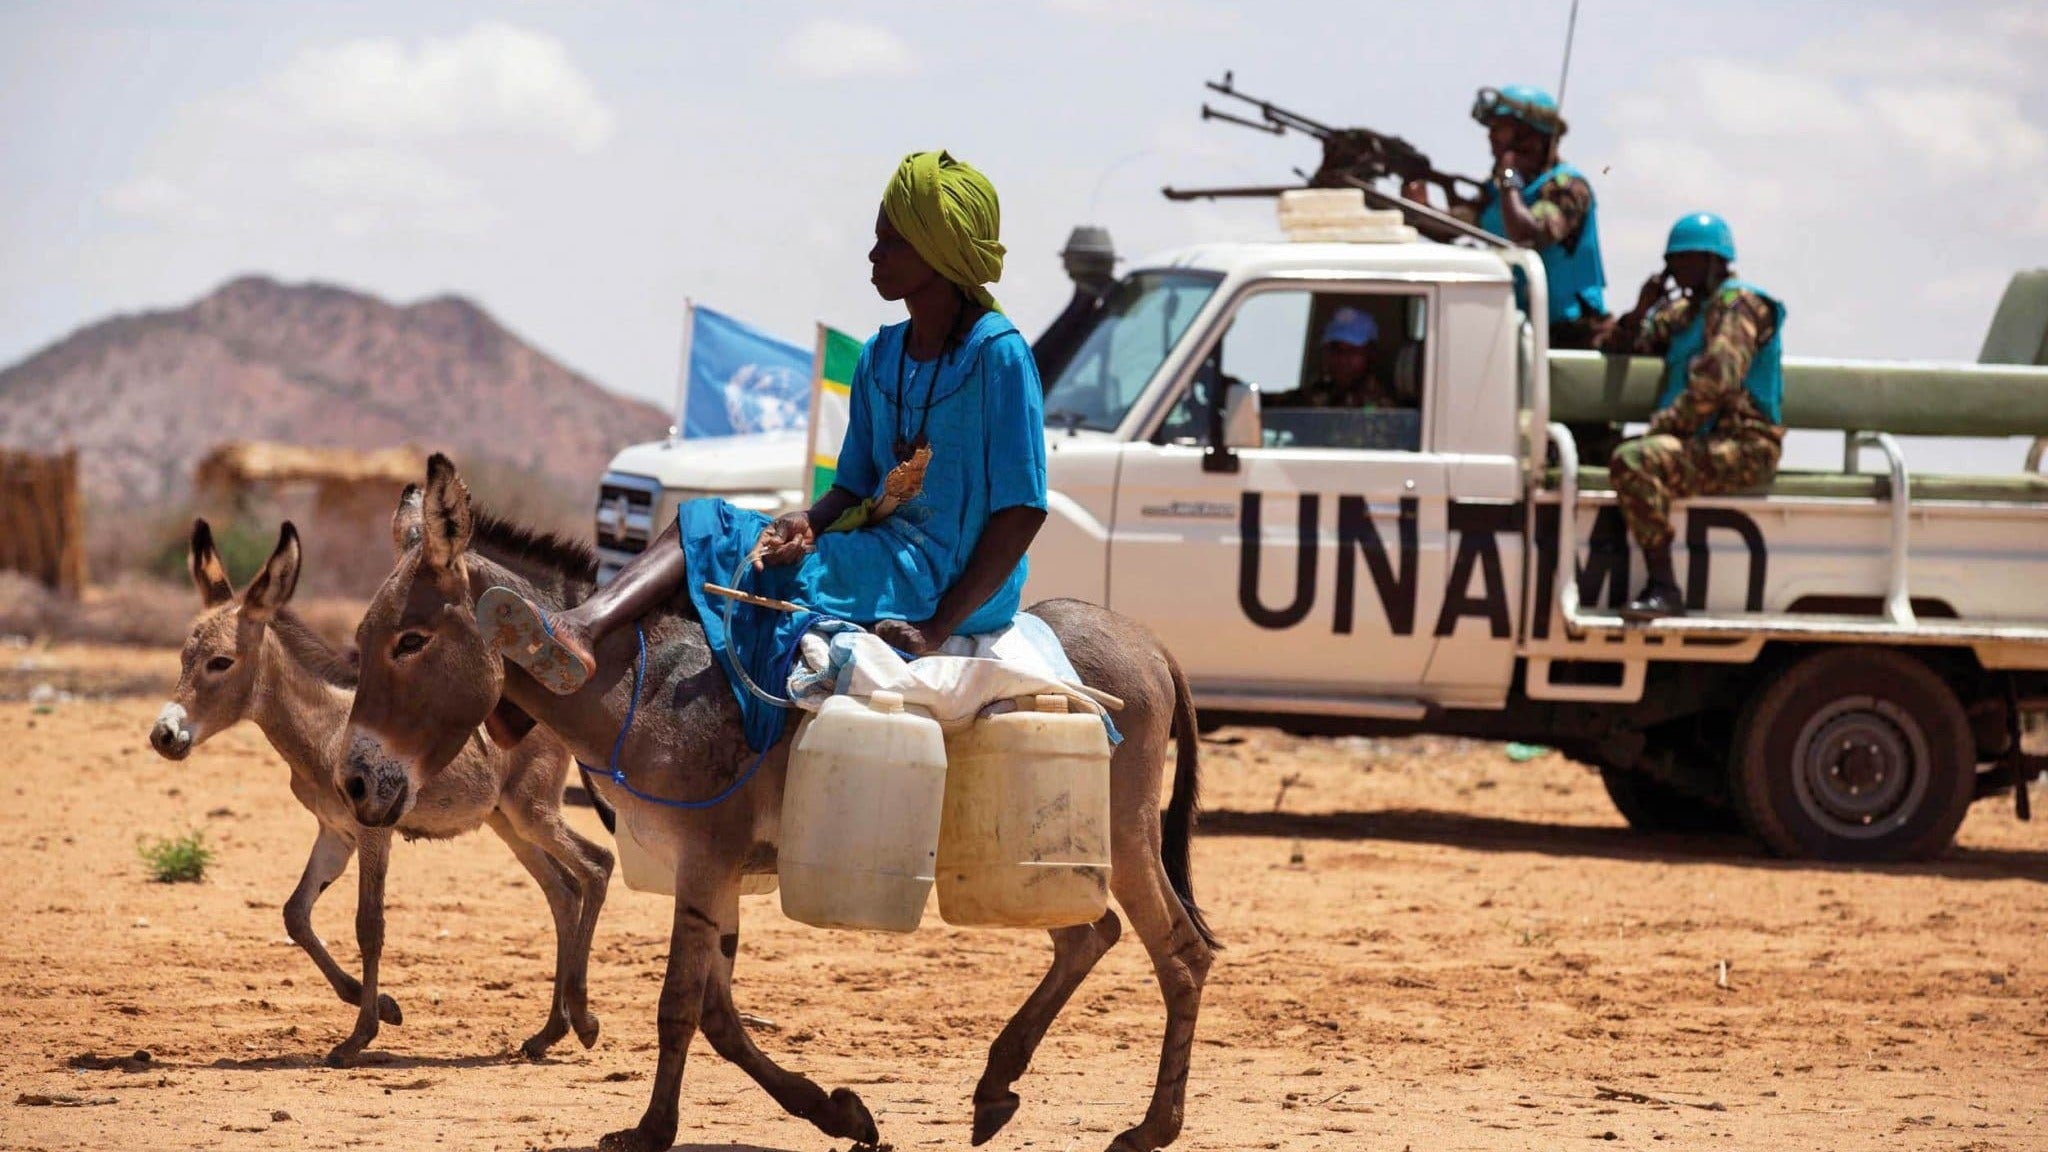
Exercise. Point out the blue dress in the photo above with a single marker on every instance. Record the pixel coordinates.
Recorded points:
(980, 407)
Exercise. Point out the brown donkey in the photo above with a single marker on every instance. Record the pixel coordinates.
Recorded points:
(428, 679)
(251, 659)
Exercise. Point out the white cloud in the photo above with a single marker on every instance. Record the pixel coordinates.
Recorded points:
(1888, 161)
(2023, 23)
(376, 174)
(1752, 100)
(1154, 13)
(152, 198)
(370, 137)
(1891, 46)
(493, 79)
(1977, 288)
(1962, 130)
(373, 190)
(829, 49)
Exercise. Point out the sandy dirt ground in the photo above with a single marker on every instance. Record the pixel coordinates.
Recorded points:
(1428, 947)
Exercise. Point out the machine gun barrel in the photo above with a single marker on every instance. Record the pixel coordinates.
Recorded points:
(1272, 117)
(1350, 155)
(1209, 113)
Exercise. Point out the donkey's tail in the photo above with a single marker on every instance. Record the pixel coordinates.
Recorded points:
(1186, 805)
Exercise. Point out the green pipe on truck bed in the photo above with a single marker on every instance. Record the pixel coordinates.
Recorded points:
(1904, 398)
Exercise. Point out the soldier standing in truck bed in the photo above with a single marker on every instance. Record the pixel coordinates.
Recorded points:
(1540, 202)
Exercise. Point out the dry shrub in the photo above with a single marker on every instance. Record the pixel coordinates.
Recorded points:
(125, 537)
(131, 610)
(26, 606)
(176, 859)
(134, 610)
(346, 536)
(530, 497)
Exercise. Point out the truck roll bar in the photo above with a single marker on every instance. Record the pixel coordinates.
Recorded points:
(1898, 624)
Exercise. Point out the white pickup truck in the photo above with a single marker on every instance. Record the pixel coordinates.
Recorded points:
(1860, 647)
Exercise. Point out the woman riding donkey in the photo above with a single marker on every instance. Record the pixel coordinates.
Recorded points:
(940, 487)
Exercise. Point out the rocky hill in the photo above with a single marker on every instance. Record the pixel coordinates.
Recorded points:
(144, 397)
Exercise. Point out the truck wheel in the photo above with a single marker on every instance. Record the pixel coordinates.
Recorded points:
(1650, 805)
(1854, 754)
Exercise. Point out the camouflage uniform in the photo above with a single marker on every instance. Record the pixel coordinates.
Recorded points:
(1372, 392)
(1560, 208)
(1681, 456)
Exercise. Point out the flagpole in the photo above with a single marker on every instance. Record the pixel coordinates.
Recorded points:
(683, 382)
(811, 424)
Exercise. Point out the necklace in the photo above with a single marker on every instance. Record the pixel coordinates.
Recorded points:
(908, 445)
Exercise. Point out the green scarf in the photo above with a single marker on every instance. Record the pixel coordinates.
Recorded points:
(948, 212)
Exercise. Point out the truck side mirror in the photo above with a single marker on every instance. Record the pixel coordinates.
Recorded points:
(1236, 423)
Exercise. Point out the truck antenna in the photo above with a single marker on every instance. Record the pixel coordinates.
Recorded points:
(1571, 29)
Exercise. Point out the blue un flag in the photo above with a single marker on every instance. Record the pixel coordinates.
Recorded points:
(741, 380)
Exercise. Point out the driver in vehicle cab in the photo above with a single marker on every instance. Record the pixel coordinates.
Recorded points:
(1354, 375)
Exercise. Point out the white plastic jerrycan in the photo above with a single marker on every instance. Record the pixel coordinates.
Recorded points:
(860, 815)
(1025, 842)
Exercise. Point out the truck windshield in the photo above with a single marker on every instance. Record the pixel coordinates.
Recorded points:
(1143, 318)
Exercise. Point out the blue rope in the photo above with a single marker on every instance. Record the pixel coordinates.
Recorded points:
(618, 775)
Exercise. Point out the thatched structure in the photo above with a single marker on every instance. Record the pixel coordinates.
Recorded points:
(42, 520)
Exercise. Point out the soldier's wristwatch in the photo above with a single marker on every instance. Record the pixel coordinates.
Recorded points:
(1509, 179)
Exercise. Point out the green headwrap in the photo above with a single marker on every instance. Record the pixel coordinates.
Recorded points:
(948, 212)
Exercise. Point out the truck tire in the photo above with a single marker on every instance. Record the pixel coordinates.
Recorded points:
(1854, 754)
(1652, 806)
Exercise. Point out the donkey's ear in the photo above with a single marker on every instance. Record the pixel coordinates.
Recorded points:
(444, 513)
(208, 573)
(273, 587)
(405, 521)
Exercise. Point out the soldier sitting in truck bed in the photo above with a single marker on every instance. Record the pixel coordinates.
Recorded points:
(1718, 426)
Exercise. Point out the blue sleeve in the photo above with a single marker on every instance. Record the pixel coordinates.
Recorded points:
(1013, 414)
(856, 469)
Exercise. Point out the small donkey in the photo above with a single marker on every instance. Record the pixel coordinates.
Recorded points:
(252, 659)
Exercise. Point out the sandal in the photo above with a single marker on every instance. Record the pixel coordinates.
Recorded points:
(520, 633)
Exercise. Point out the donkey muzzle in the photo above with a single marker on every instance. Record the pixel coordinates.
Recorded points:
(375, 790)
(170, 736)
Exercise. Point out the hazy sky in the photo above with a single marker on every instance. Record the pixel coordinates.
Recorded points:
(582, 168)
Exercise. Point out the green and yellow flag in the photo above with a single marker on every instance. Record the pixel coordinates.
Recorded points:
(831, 398)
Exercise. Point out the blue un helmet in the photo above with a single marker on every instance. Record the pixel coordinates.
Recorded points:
(1702, 232)
(1526, 103)
(1351, 326)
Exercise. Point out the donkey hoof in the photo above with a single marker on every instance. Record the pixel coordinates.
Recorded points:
(586, 1031)
(633, 1140)
(854, 1121)
(387, 1010)
(991, 1115)
(346, 1053)
(1132, 1141)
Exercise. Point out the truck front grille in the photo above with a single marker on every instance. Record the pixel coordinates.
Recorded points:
(625, 512)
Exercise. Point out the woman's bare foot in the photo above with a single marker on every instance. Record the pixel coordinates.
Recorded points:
(555, 652)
